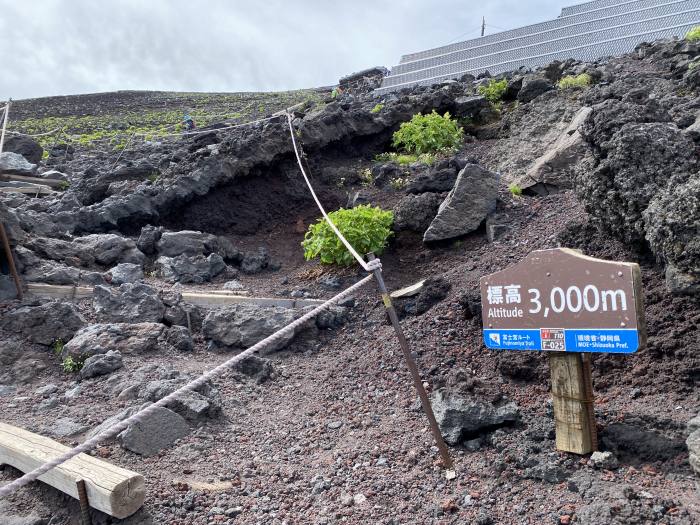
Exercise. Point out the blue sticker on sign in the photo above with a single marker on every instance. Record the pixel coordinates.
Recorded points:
(622, 341)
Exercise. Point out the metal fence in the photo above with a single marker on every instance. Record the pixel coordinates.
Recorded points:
(584, 32)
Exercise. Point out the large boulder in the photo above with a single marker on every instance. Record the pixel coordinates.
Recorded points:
(127, 339)
(15, 164)
(44, 324)
(128, 304)
(672, 225)
(637, 164)
(125, 273)
(416, 212)
(466, 206)
(109, 249)
(154, 433)
(239, 326)
(101, 364)
(185, 269)
(693, 443)
(462, 418)
(26, 146)
(185, 242)
(555, 168)
(533, 88)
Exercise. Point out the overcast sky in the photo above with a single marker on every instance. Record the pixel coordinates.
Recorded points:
(61, 47)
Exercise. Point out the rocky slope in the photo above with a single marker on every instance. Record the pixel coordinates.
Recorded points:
(326, 428)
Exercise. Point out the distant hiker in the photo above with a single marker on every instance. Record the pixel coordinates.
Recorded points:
(188, 122)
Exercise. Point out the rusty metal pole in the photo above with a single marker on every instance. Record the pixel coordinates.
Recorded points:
(84, 504)
(417, 381)
(10, 260)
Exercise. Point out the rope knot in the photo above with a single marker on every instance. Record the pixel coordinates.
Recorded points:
(373, 265)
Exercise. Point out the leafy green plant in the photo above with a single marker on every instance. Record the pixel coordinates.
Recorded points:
(575, 81)
(406, 159)
(366, 177)
(64, 185)
(153, 177)
(429, 133)
(693, 65)
(516, 190)
(58, 345)
(693, 35)
(377, 108)
(72, 365)
(366, 228)
(494, 90)
(398, 183)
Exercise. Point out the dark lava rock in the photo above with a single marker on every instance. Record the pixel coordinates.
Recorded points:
(44, 324)
(26, 146)
(461, 418)
(533, 88)
(467, 205)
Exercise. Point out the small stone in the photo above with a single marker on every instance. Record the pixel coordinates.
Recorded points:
(73, 392)
(604, 460)
(48, 404)
(47, 390)
(359, 499)
(346, 500)
(233, 511)
(335, 425)
(635, 393)
(216, 511)
(233, 285)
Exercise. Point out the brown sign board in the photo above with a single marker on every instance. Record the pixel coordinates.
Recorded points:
(561, 300)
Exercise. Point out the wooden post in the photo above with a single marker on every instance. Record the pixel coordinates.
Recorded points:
(4, 124)
(10, 260)
(572, 392)
(110, 489)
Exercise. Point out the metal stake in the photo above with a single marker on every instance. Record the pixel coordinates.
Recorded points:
(84, 505)
(4, 124)
(417, 381)
(10, 260)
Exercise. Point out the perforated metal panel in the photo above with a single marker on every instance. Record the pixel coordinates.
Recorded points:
(583, 32)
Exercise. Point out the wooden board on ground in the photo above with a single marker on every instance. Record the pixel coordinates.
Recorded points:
(212, 298)
(29, 190)
(573, 403)
(110, 489)
(408, 291)
(54, 183)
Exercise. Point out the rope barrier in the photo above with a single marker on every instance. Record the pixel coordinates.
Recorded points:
(372, 265)
(117, 428)
(35, 135)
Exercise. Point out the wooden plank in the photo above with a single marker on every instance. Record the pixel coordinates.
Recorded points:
(408, 291)
(53, 291)
(573, 403)
(54, 183)
(214, 298)
(110, 489)
(30, 190)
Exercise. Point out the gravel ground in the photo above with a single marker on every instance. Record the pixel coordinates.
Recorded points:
(337, 434)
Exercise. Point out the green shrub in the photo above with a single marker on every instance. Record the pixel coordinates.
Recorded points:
(575, 81)
(494, 90)
(406, 159)
(366, 228)
(377, 108)
(366, 177)
(72, 365)
(693, 35)
(516, 190)
(398, 183)
(58, 345)
(428, 134)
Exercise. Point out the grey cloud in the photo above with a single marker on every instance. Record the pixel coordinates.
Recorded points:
(57, 47)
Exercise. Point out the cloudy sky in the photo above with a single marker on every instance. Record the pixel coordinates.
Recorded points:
(60, 47)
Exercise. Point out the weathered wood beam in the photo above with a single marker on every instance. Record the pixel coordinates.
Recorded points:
(213, 298)
(54, 183)
(110, 489)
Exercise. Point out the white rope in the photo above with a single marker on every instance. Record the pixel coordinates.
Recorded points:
(372, 265)
(117, 428)
(35, 135)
